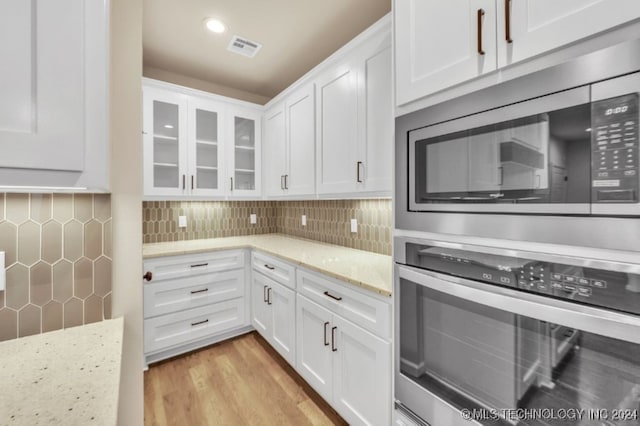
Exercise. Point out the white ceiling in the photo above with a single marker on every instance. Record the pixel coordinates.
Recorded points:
(296, 35)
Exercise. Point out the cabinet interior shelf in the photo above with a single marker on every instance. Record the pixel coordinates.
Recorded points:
(166, 138)
(207, 142)
(165, 165)
(245, 170)
(207, 168)
(247, 148)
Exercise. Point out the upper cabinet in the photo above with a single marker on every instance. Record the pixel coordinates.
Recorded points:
(199, 147)
(355, 122)
(53, 108)
(442, 44)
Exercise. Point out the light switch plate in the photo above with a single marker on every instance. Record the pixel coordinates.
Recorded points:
(253, 219)
(182, 221)
(354, 226)
(2, 272)
(304, 220)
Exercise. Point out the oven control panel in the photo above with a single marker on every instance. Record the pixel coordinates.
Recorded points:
(614, 146)
(608, 289)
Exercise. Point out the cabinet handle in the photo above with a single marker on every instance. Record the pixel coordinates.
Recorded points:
(269, 296)
(507, 21)
(192, 182)
(264, 293)
(184, 182)
(286, 181)
(199, 291)
(231, 184)
(480, 19)
(358, 164)
(333, 339)
(197, 265)
(325, 333)
(148, 276)
(269, 267)
(326, 293)
(193, 324)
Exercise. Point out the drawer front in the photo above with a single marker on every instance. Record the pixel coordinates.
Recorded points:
(185, 293)
(165, 268)
(274, 268)
(182, 327)
(369, 313)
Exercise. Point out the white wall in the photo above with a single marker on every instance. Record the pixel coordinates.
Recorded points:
(126, 198)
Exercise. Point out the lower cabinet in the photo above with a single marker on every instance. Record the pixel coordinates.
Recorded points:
(274, 313)
(347, 365)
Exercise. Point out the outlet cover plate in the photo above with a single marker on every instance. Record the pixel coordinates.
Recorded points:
(182, 221)
(253, 219)
(354, 226)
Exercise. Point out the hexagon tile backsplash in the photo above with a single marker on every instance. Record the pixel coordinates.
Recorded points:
(58, 260)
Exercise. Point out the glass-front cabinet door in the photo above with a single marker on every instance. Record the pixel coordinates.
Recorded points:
(205, 148)
(165, 156)
(244, 167)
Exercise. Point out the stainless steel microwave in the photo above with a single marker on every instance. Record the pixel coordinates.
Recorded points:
(563, 141)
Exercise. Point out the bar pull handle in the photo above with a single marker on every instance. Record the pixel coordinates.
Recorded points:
(193, 324)
(192, 184)
(358, 165)
(480, 19)
(264, 293)
(286, 181)
(148, 276)
(326, 293)
(184, 182)
(197, 265)
(231, 187)
(507, 21)
(199, 291)
(269, 296)
(333, 339)
(271, 268)
(325, 333)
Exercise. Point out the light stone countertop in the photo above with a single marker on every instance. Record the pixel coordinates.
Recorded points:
(64, 377)
(368, 270)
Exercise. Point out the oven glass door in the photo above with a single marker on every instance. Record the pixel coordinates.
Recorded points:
(514, 358)
(525, 157)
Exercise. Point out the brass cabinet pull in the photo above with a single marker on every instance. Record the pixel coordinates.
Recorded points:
(192, 182)
(326, 293)
(148, 276)
(232, 184)
(358, 164)
(197, 265)
(286, 181)
(271, 268)
(193, 324)
(184, 182)
(507, 21)
(333, 339)
(480, 18)
(325, 333)
(269, 296)
(199, 291)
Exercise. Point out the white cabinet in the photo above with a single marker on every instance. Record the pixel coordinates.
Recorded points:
(355, 125)
(54, 103)
(346, 365)
(199, 146)
(536, 26)
(437, 44)
(289, 145)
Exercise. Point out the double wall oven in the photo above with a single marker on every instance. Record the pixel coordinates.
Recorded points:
(517, 250)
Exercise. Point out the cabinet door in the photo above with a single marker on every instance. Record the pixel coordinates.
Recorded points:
(538, 26)
(375, 152)
(260, 312)
(337, 101)
(44, 84)
(244, 153)
(437, 44)
(314, 359)
(165, 145)
(205, 147)
(274, 151)
(361, 375)
(301, 115)
(283, 321)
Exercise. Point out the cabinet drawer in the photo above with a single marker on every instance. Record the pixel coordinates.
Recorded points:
(164, 268)
(185, 293)
(365, 311)
(182, 327)
(275, 269)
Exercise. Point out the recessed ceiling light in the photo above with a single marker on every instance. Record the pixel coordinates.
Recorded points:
(215, 25)
(168, 126)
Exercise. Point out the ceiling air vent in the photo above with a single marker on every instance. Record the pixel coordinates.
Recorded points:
(243, 46)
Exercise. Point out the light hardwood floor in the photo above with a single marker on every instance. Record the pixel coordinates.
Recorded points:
(242, 381)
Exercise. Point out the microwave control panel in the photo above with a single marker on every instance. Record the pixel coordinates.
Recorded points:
(614, 145)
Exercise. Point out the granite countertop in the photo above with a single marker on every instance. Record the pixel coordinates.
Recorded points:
(64, 377)
(368, 270)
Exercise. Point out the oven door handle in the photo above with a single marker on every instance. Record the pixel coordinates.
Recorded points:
(581, 317)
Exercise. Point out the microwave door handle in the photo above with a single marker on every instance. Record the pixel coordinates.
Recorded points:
(581, 317)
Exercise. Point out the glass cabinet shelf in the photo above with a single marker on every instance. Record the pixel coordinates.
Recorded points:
(165, 138)
(207, 142)
(165, 165)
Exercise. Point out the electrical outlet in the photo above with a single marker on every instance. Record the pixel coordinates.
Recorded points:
(304, 220)
(182, 221)
(253, 219)
(354, 226)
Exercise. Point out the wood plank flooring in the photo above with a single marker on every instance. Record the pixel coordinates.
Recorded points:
(242, 381)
